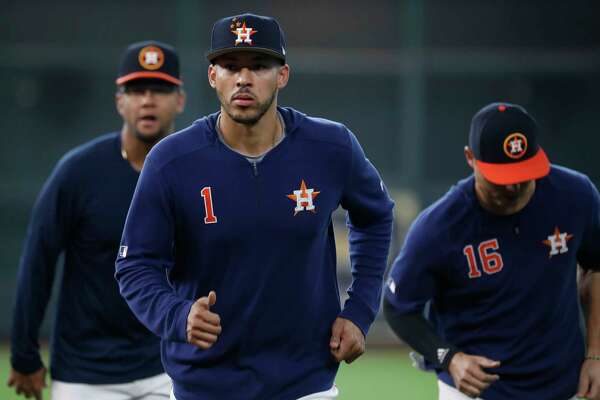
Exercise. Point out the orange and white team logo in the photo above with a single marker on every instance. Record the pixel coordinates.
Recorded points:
(304, 198)
(244, 34)
(515, 145)
(151, 57)
(558, 242)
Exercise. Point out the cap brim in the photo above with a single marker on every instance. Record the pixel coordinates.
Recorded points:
(535, 167)
(214, 54)
(148, 74)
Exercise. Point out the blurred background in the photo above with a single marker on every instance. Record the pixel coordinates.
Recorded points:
(406, 76)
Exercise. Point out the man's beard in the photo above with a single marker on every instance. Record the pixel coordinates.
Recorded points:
(150, 139)
(252, 119)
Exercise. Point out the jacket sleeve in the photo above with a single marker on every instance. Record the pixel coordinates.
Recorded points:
(146, 254)
(412, 282)
(588, 255)
(369, 220)
(47, 233)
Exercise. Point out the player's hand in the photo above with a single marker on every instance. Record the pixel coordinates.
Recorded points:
(29, 385)
(468, 373)
(203, 326)
(589, 380)
(347, 341)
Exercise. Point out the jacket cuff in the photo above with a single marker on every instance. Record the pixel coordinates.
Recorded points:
(26, 365)
(180, 324)
(359, 314)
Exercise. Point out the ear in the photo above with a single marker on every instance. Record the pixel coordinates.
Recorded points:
(469, 156)
(119, 100)
(181, 99)
(283, 75)
(212, 74)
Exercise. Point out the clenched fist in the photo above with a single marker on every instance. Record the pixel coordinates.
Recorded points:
(347, 341)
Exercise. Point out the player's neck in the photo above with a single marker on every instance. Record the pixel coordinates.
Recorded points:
(134, 150)
(496, 206)
(252, 140)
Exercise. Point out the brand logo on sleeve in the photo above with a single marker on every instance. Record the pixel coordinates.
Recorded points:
(123, 251)
(441, 354)
(557, 242)
(304, 198)
(391, 285)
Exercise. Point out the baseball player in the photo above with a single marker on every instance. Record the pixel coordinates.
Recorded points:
(496, 257)
(99, 349)
(236, 209)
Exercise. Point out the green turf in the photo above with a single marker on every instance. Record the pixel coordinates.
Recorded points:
(380, 374)
(385, 374)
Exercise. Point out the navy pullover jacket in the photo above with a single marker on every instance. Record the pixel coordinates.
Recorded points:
(81, 211)
(216, 222)
(504, 287)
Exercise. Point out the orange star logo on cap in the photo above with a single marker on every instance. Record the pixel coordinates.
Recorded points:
(151, 58)
(515, 145)
(244, 34)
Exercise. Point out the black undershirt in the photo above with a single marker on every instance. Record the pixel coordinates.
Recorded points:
(418, 333)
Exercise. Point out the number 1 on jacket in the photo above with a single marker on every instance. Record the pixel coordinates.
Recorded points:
(210, 217)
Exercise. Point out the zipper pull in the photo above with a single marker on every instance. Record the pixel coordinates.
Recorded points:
(254, 168)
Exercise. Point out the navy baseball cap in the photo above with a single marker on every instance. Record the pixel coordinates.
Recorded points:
(503, 139)
(247, 32)
(150, 60)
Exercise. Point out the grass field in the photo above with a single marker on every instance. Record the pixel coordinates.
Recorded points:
(382, 373)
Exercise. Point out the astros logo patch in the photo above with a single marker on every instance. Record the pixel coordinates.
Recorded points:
(151, 57)
(304, 198)
(244, 34)
(557, 242)
(515, 145)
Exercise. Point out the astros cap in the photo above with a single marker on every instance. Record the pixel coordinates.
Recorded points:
(149, 59)
(503, 139)
(247, 32)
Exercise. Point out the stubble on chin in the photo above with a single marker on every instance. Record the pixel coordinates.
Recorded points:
(249, 119)
(150, 139)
